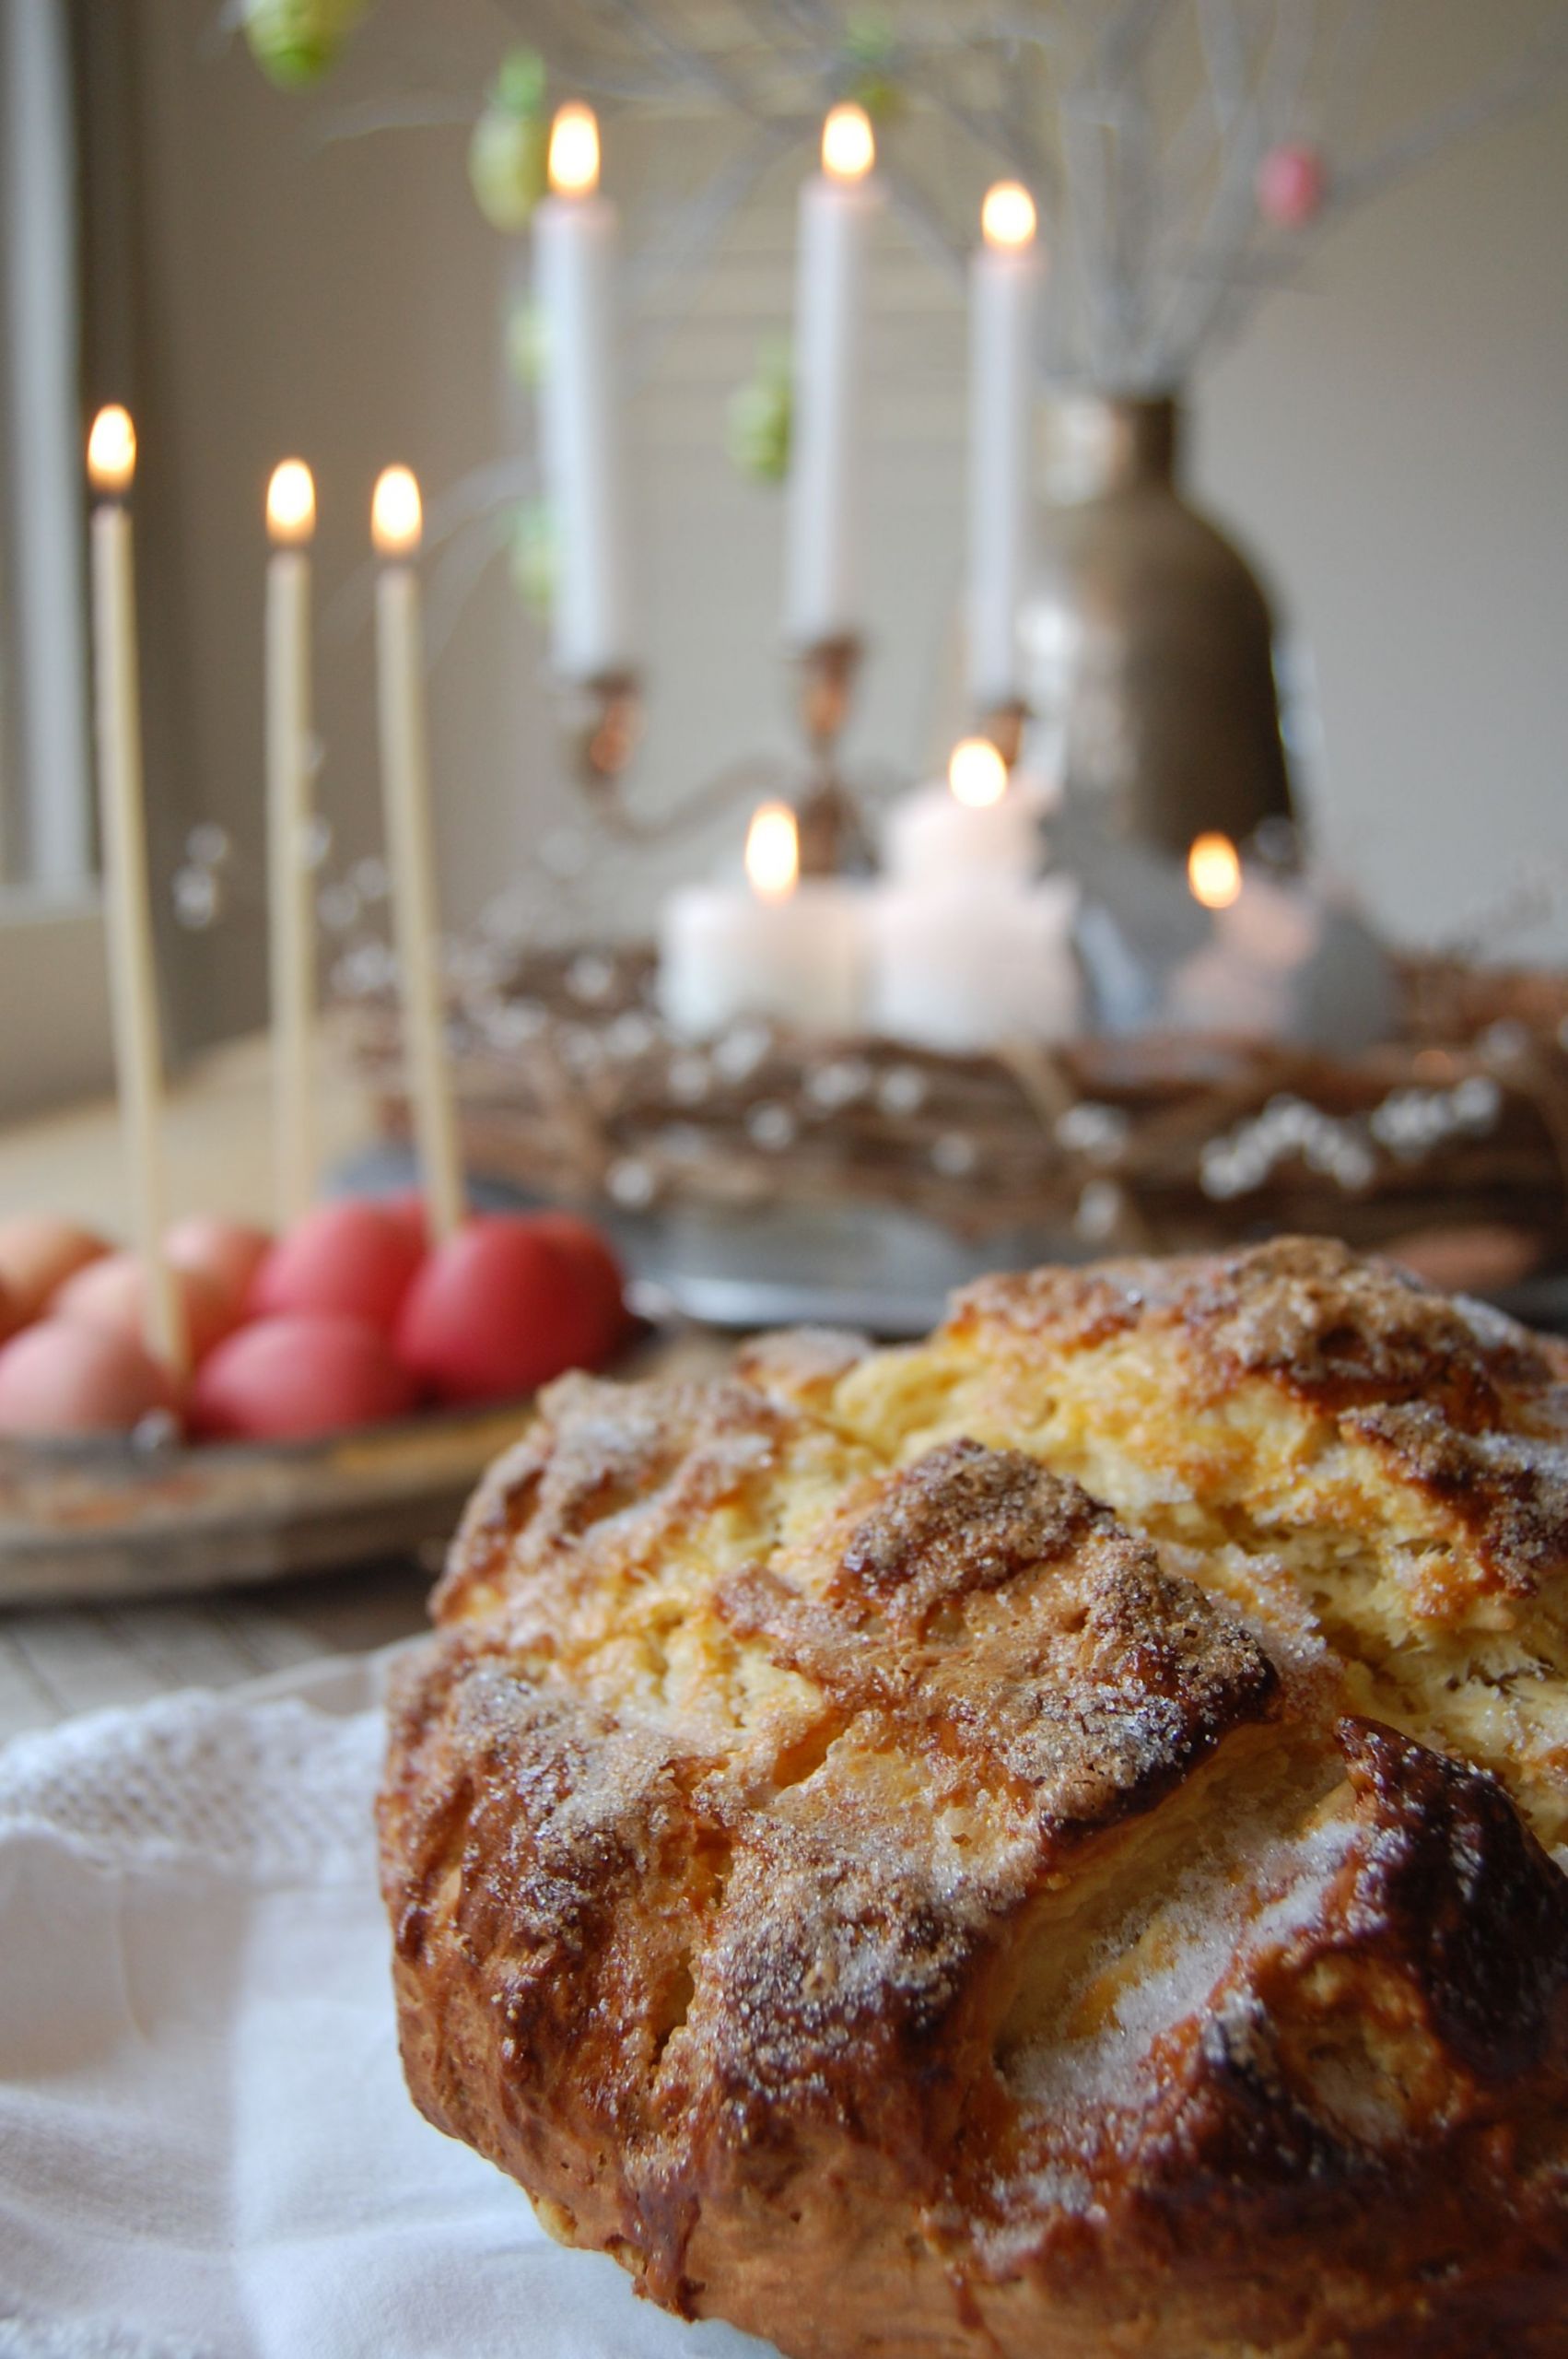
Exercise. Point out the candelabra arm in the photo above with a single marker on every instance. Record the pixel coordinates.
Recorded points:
(601, 724)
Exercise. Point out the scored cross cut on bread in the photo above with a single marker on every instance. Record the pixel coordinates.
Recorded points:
(1039, 1842)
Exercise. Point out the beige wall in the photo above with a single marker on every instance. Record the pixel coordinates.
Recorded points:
(1391, 439)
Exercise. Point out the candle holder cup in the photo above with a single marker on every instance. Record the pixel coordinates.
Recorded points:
(833, 837)
(1003, 725)
(600, 723)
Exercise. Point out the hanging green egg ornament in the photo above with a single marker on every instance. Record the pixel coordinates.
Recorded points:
(870, 61)
(509, 150)
(507, 158)
(758, 420)
(533, 557)
(296, 42)
(521, 83)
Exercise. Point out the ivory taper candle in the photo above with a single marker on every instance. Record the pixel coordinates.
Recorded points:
(291, 520)
(577, 248)
(396, 523)
(138, 1062)
(838, 210)
(1005, 277)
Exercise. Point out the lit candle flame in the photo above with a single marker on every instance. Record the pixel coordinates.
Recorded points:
(112, 451)
(396, 518)
(574, 151)
(773, 851)
(1007, 216)
(1213, 871)
(977, 773)
(291, 504)
(848, 145)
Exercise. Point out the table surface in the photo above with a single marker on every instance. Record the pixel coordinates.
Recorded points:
(60, 1659)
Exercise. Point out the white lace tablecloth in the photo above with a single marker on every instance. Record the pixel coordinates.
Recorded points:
(206, 2150)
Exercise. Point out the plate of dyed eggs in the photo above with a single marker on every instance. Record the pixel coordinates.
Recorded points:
(349, 1382)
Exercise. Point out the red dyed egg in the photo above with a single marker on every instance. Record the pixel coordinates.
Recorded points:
(38, 1254)
(227, 1252)
(355, 1257)
(111, 1293)
(297, 1375)
(67, 1376)
(600, 1279)
(495, 1311)
(409, 1207)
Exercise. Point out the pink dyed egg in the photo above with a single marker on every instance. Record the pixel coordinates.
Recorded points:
(227, 1252)
(297, 1375)
(111, 1293)
(495, 1311)
(38, 1254)
(1292, 185)
(64, 1376)
(355, 1257)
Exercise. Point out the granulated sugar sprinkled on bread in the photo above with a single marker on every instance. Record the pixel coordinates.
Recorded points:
(1027, 1845)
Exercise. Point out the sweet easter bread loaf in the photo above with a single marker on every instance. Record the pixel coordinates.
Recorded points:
(1047, 1842)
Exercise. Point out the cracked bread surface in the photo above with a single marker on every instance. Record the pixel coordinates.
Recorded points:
(1036, 1843)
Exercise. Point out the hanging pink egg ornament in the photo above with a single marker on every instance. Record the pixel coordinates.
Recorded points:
(1292, 181)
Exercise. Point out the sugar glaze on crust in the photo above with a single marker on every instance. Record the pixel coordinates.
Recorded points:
(1037, 1844)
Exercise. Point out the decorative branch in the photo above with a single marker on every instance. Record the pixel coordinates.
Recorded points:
(1507, 91)
(1160, 247)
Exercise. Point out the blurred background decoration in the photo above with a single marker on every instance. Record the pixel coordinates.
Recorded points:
(726, 927)
(1184, 156)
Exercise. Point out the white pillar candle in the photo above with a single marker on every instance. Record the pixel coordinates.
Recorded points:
(1005, 277)
(577, 254)
(838, 210)
(783, 947)
(971, 823)
(974, 963)
(1283, 963)
(395, 520)
(291, 520)
(133, 994)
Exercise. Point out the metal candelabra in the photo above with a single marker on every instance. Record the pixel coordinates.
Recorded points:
(600, 721)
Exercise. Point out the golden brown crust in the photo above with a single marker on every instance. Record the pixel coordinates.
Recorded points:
(1023, 1846)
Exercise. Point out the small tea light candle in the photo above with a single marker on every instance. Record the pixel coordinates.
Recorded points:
(1240, 981)
(971, 823)
(786, 948)
(138, 1058)
(291, 521)
(1282, 963)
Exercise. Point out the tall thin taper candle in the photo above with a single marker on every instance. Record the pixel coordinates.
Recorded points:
(395, 525)
(838, 211)
(111, 462)
(291, 520)
(577, 252)
(1005, 278)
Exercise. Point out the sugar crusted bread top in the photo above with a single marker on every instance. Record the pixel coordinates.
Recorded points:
(1044, 1830)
